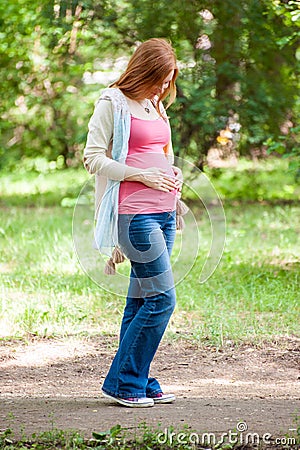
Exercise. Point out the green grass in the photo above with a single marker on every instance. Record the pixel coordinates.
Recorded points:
(262, 180)
(254, 293)
(252, 296)
(40, 189)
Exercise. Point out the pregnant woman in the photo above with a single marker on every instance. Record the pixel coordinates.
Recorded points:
(129, 149)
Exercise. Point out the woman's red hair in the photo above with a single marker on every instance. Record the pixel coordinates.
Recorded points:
(148, 67)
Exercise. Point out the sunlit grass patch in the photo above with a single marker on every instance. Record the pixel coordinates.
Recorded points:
(253, 294)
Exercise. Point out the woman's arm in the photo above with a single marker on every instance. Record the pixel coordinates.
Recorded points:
(98, 142)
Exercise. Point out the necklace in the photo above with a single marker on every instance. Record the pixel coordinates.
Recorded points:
(146, 107)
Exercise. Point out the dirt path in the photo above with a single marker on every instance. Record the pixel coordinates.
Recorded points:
(57, 382)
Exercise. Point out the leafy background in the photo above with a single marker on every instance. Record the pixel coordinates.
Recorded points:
(239, 62)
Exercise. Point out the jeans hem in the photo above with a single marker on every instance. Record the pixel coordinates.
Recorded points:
(125, 394)
(153, 393)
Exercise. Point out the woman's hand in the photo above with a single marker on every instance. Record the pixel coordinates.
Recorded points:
(158, 179)
(155, 178)
(178, 178)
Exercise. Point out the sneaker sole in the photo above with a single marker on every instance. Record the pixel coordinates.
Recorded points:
(170, 399)
(124, 402)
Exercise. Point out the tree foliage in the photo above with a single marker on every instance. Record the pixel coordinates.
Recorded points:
(238, 64)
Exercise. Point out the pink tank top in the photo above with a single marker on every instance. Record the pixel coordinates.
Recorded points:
(145, 150)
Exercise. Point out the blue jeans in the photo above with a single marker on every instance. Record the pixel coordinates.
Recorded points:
(147, 240)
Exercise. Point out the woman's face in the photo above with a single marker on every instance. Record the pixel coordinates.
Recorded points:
(158, 90)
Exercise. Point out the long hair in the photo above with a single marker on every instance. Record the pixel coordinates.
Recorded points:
(148, 67)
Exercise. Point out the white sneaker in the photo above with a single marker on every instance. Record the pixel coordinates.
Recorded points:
(132, 402)
(163, 398)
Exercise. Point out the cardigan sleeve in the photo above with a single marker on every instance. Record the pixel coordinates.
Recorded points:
(98, 144)
(100, 133)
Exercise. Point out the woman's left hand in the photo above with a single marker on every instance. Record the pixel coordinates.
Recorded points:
(178, 178)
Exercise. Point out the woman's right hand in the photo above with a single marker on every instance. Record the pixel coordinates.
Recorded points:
(155, 178)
